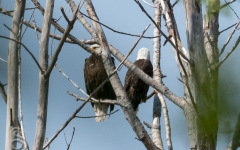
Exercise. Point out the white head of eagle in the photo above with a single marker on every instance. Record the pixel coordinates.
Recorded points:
(97, 48)
(143, 53)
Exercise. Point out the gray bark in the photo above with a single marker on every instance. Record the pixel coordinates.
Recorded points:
(44, 81)
(12, 98)
(156, 128)
(206, 119)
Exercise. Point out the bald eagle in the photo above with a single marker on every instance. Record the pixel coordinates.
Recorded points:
(135, 88)
(94, 75)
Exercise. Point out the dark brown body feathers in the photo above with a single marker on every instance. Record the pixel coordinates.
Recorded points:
(135, 88)
(94, 75)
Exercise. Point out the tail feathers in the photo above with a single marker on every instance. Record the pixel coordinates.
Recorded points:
(101, 111)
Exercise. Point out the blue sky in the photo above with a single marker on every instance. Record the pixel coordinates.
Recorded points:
(115, 133)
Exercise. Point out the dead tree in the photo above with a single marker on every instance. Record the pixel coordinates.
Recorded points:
(198, 65)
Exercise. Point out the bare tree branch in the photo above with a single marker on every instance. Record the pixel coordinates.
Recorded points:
(59, 48)
(3, 93)
(89, 28)
(230, 52)
(135, 44)
(96, 101)
(147, 124)
(226, 4)
(59, 28)
(148, 4)
(232, 9)
(70, 140)
(165, 36)
(175, 3)
(227, 28)
(167, 121)
(35, 60)
(229, 38)
(43, 80)
(69, 79)
(3, 60)
(149, 96)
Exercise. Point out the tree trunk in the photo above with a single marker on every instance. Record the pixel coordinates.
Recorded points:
(12, 98)
(204, 96)
(44, 81)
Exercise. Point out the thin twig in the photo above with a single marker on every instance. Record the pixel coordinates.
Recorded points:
(135, 44)
(148, 4)
(10, 29)
(227, 28)
(175, 3)
(59, 48)
(32, 15)
(148, 37)
(3, 93)
(232, 9)
(107, 101)
(24, 9)
(228, 3)
(230, 52)
(64, 15)
(149, 96)
(25, 49)
(147, 124)
(69, 79)
(3, 60)
(229, 38)
(71, 138)
(98, 116)
(56, 25)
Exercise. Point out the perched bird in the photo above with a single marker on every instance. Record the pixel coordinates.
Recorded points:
(94, 75)
(135, 88)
